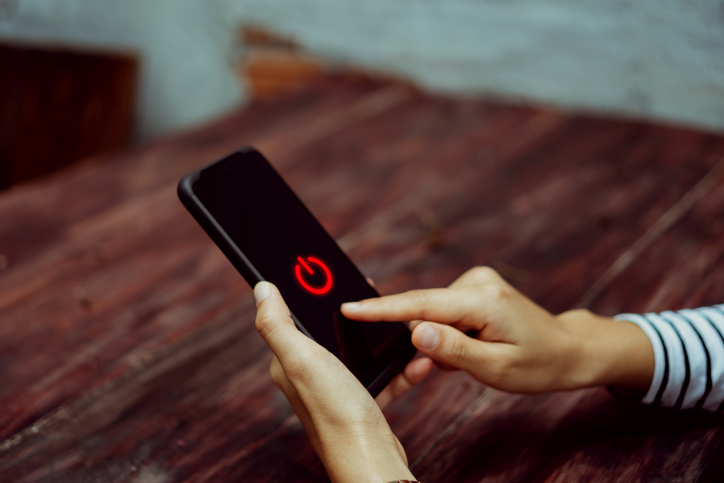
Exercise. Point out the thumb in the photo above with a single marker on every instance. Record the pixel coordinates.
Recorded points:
(446, 344)
(274, 323)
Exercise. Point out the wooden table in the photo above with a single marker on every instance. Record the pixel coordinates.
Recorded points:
(127, 345)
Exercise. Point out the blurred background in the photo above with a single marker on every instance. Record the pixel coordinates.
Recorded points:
(81, 77)
(427, 136)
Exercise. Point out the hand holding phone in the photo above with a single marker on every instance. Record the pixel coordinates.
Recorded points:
(346, 427)
(269, 235)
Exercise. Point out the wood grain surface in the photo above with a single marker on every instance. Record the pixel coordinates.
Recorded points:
(127, 345)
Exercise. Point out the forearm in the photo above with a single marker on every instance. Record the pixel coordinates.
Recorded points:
(363, 460)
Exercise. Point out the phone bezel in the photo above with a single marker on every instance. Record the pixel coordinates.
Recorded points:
(247, 269)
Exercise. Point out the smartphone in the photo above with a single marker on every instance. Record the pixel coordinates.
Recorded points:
(267, 233)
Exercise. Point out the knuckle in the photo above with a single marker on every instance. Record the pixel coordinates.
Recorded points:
(496, 293)
(457, 350)
(419, 299)
(484, 274)
(276, 373)
(501, 368)
(264, 324)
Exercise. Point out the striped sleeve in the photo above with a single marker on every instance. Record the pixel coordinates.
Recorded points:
(689, 353)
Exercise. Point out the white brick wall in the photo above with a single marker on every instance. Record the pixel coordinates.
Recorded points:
(661, 59)
(652, 58)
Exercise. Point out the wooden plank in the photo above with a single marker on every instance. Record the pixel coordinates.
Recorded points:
(682, 269)
(581, 436)
(524, 216)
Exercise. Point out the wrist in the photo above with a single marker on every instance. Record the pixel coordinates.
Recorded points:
(364, 458)
(609, 352)
(632, 362)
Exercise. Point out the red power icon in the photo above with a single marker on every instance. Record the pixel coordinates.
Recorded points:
(315, 261)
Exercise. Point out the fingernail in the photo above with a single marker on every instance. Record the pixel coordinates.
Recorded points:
(427, 337)
(351, 306)
(261, 291)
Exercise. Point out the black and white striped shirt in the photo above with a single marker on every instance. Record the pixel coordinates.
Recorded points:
(689, 353)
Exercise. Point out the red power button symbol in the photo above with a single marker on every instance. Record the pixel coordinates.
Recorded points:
(309, 288)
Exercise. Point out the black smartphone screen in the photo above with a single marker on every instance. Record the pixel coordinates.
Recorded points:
(289, 248)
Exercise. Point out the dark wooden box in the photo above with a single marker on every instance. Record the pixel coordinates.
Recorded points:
(58, 106)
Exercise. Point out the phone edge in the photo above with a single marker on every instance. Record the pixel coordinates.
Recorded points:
(222, 240)
(247, 269)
